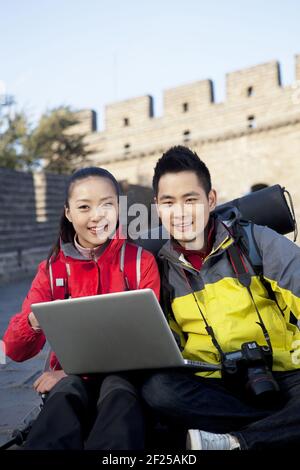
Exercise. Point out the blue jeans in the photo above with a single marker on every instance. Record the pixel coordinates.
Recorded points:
(188, 401)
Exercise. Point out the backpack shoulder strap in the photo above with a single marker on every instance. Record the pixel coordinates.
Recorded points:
(58, 279)
(244, 245)
(249, 246)
(246, 241)
(130, 264)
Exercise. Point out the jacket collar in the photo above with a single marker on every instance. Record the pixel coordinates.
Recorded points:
(90, 253)
(105, 252)
(223, 240)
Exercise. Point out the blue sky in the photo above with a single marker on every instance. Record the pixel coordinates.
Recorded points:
(88, 53)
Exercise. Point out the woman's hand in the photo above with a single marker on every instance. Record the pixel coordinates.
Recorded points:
(47, 380)
(33, 321)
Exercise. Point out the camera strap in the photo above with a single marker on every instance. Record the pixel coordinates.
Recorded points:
(208, 328)
(243, 275)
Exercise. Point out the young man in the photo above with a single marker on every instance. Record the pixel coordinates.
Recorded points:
(216, 305)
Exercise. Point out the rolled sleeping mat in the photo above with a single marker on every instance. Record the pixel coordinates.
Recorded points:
(268, 206)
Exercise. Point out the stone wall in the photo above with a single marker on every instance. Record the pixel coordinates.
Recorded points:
(30, 209)
(29, 214)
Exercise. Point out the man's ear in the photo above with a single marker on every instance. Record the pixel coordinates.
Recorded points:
(212, 200)
(67, 214)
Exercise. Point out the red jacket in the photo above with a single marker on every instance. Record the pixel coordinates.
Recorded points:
(86, 277)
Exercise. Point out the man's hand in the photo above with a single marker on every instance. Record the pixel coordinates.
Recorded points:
(47, 380)
(33, 321)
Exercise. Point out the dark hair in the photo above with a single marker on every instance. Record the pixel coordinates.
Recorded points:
(180, 158)
(66, 229)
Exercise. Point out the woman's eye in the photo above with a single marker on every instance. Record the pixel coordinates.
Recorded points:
(108, 204)
(167, 203)
(83, 207)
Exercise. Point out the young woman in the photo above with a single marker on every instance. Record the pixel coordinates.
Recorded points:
(88, 257)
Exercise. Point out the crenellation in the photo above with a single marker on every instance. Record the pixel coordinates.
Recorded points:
(125, 115)
(253, 83)
(187, 100)
(87, 122)
(255, 100)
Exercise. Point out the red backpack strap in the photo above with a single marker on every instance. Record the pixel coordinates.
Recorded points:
(58, 279)
(130, 264)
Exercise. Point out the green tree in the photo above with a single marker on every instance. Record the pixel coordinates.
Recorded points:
(54, 144)
(14, 132)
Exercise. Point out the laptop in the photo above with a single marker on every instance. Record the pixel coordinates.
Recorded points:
(111, 333)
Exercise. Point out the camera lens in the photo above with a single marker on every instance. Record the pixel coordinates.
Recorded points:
(261, 381)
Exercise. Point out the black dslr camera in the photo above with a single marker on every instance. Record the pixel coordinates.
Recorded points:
(251, 367)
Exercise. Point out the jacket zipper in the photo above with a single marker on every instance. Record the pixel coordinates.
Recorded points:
(211, 254)
(98, 269)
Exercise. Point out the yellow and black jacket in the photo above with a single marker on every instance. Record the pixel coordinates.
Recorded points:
(226, 303)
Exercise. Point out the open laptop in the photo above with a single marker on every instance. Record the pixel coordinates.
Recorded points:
(111, 332)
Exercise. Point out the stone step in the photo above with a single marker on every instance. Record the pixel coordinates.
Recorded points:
(13, 244)
(16, 243)
(20, 219)
(26, 226)
(31, 232)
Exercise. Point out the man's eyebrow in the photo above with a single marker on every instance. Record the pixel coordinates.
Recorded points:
(191, 193)
(166, 196)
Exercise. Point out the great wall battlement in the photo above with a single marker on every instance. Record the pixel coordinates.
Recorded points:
(251, 137)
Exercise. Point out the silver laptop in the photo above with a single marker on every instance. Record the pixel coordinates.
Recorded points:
(111, 332)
